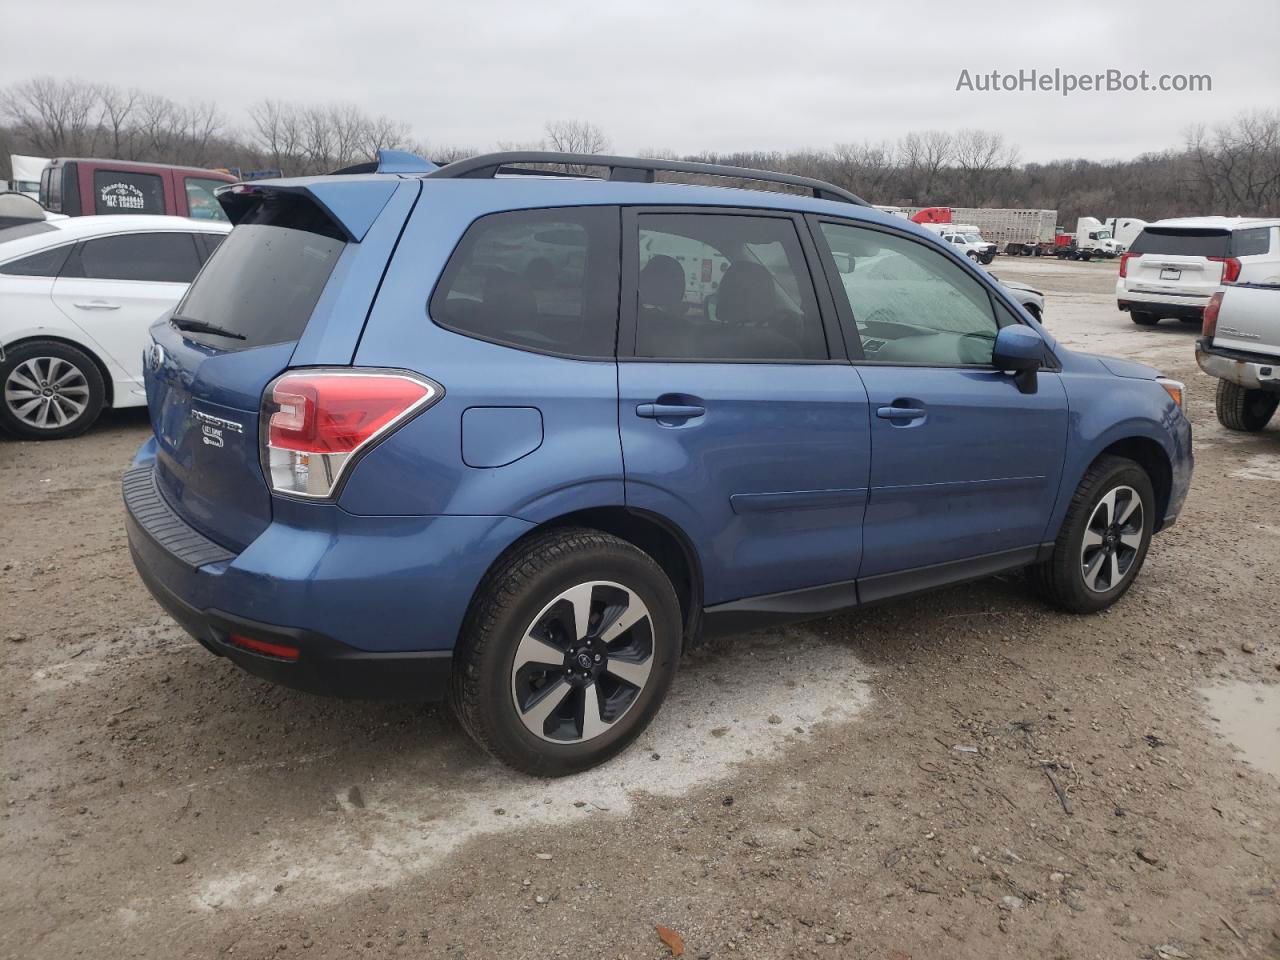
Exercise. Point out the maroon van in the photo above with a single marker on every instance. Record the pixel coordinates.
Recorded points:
(84, 187)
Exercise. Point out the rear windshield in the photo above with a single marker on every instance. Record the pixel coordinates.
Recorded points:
(265, 278)
(1182, 242)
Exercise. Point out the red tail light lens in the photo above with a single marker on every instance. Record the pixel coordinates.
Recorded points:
(1209, 325)
(1230, 268)
(316, 421)
(1124, 262)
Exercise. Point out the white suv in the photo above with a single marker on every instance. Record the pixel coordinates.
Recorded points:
(77, 297)
(1175, 266)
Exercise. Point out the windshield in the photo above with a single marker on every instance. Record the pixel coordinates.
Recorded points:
(972, 238)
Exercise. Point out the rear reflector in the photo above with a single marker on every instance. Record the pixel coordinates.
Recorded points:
(1209, 321)
(262, 646)
(317, 421)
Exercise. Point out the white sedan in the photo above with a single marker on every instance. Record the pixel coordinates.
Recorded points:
(77, 297)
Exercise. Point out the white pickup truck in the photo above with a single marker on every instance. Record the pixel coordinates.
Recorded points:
(1240, 345)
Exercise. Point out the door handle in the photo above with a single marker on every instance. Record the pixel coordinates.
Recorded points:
(98, 305)
(900, 413)
(669, 411)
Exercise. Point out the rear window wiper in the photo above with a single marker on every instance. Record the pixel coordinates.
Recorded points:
(203, 326)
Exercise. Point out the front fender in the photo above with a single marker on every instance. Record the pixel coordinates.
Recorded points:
(1094, 397)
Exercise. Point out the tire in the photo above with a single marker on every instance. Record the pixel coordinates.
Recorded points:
(53, 382)
(1144, 319)
(1032, 309)
(521, 611)
(1240, 408)
(972, 256)
(1074, 578)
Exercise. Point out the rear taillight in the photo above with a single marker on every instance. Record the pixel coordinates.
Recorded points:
(1124, 262)
(315, 423)
(1209, 324)
(1230, 268)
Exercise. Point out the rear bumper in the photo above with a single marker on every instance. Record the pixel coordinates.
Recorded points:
(1181, 308)
(1249, 371)
(373, 605)
(323, 665)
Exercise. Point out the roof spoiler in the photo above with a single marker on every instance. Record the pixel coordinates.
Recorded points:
(352, 205)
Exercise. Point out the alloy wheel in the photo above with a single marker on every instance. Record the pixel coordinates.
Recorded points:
(46, 392)
(583, 662)
(1112, 539)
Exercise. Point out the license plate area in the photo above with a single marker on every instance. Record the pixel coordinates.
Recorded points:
(1170, 273)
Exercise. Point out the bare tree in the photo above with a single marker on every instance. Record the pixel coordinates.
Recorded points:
(979, 154)
(57, 117)
(1237, 166)
(116, 112)
(575, 136)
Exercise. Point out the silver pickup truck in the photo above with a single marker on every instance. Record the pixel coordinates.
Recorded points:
(1240, 345)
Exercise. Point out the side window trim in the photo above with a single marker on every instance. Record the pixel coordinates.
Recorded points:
(445, 275)
(628, 290)
(852, 337)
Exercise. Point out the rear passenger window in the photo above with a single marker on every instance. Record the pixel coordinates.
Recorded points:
(1249, 243)
(157, 257)
(46, 263)
(544, 280)
(910, 303)
(724, 287)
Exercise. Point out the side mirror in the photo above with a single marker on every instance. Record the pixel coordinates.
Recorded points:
(1020, 349)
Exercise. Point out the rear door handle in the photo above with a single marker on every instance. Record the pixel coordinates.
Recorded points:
(900, 413)
(669, 411)
(98, 305)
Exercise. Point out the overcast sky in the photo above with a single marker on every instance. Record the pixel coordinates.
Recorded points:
(682, 76)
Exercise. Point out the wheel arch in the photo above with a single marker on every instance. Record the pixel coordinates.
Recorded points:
(1153, 459)
(108, 385)
(663, 540)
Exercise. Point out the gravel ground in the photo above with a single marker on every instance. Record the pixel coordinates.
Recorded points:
(969, 775)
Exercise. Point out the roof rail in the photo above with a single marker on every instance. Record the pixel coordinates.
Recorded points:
(636, 169)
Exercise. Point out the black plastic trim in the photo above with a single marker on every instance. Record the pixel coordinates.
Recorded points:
(162, 524)
(807, 603)
(904, 583)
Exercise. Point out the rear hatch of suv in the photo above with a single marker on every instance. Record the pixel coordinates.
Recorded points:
(1180, 261)
(238, 328)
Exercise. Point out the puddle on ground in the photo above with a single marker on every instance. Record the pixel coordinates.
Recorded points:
(1248, 716)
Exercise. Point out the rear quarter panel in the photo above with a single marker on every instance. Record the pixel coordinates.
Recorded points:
(419, 470)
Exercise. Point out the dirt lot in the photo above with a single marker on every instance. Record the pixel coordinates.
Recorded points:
(800, 796)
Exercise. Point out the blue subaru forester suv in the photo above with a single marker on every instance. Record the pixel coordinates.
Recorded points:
(515, 437)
